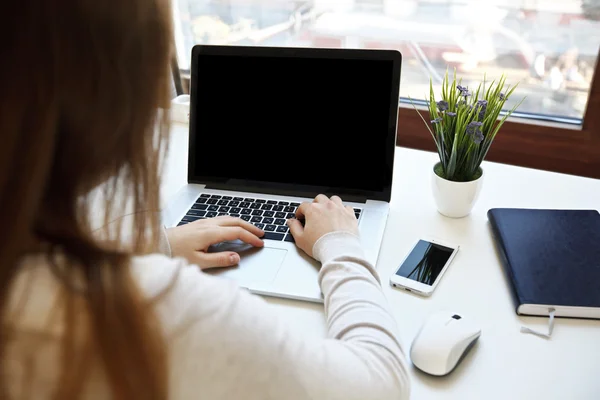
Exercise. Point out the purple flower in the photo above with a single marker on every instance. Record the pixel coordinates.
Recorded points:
(451, 114)
(474, 130)
(437, 120)
(473, 126)
(442, 105)
(482, 108)
(502, 96)
(478, 138)
(464, 91)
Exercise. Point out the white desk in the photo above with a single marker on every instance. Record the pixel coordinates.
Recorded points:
(504, 364)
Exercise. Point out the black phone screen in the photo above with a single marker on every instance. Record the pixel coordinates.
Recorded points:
(425, 262)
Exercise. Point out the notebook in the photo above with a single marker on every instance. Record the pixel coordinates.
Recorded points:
(552, 259)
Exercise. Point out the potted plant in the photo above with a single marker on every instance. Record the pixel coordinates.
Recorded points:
(463, 125)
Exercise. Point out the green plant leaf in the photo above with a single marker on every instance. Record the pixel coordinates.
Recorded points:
(460, 157)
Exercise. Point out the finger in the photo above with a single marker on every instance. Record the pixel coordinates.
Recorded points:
(349, 209)
(337, 200)
(321, 198)
(231, 221)
(302, 210)
(229, 233)
(219, 259)
(296, 228)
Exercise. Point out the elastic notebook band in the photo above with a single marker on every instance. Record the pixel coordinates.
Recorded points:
(541, 334)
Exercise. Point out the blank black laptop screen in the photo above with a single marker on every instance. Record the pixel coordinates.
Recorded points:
(293, 121)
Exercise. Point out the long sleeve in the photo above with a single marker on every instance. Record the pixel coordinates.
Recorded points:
(226, 343)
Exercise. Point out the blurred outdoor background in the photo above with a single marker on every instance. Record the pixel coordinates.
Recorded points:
(549, 46)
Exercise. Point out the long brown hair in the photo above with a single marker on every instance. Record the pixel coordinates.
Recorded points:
(84, 93)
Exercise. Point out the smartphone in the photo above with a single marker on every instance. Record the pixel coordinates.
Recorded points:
(422, 269)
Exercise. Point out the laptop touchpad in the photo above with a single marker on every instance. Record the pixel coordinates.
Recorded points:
(257, 265)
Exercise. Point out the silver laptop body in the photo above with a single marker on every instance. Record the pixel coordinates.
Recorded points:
(247, 149)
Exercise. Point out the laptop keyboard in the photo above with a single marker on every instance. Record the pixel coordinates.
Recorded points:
(268, 215)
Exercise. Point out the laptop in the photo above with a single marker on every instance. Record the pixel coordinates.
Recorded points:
(272, 127)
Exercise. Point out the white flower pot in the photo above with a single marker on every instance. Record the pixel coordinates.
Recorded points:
(455, 199)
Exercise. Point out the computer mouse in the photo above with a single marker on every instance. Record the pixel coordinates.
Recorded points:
(442, 342)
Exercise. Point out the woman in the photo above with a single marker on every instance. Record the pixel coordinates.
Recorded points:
(84, 92)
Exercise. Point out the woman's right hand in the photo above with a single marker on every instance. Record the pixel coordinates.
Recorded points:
(192, 240)
(322, 216)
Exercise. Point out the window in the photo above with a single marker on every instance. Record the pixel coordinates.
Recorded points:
(550, 47)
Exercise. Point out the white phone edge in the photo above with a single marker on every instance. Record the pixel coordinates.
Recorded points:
(400, 282)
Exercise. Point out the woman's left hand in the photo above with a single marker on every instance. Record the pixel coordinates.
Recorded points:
(192, 240)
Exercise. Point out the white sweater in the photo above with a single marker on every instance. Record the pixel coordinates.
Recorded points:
(226, 343)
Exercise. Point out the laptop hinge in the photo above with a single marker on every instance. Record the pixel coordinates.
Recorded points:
(268, 189)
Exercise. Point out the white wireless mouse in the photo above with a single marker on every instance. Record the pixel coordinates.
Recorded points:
(444, 339)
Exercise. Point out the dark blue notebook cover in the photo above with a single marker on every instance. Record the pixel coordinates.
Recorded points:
(552, 257)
